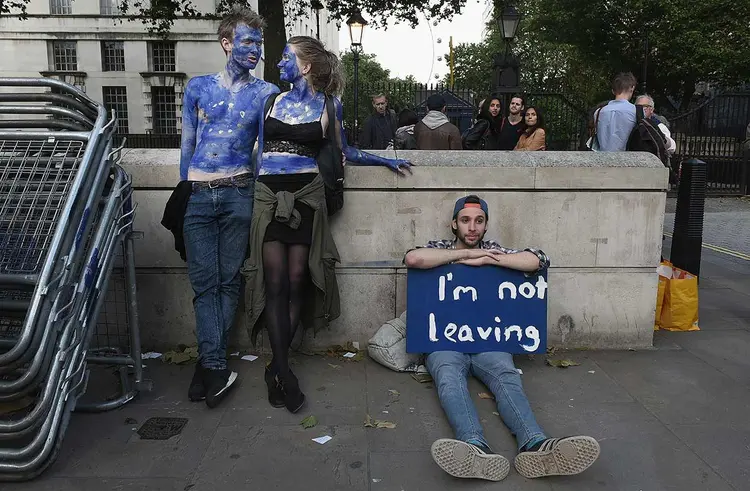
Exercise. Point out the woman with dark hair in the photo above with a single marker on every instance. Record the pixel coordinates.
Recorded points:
(485, 133)
(405, 139)
(290, 240)
(533, 136)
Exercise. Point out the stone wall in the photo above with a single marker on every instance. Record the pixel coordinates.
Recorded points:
(598, 216)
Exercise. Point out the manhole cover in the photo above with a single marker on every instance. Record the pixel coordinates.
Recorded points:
(161, 428)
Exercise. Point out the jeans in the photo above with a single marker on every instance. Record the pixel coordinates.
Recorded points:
(216, 232)
(450, 369)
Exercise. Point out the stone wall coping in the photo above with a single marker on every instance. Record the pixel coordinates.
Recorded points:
(496, 170)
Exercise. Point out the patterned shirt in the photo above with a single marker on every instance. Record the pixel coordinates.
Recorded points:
(491, 244)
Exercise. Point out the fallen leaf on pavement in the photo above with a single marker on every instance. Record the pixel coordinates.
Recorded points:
(309, 422)
(495, 413)
(485, 395)
(422, 378)
(563, 363)
(334, 366)
(378, 423)
(394, 394)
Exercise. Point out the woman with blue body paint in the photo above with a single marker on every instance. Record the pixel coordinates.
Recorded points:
(290, 241)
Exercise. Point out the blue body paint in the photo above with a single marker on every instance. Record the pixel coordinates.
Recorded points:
(301, 105)
(221, 114)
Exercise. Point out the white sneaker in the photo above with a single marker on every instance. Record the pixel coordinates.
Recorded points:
(461, 459)
(558, 457)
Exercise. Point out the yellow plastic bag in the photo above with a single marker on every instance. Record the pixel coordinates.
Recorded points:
(679, 300)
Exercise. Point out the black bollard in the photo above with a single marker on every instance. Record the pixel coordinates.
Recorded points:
(687, 237)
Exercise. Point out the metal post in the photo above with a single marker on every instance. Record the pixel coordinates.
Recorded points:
(645, 65)
(355, 137)
(687, 237)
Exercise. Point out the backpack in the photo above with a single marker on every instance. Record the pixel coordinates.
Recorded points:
(329, 159)
(647, 137)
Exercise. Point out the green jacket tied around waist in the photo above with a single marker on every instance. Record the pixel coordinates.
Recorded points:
(323, 304)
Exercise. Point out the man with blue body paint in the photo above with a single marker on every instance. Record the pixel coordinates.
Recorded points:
(220, 120)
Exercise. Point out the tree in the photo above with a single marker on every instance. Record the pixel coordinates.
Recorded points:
(689, 40)
(545, 65)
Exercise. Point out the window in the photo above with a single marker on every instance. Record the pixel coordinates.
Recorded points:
(60, 7)
(64, 56)
(165, 110)
(113, 56)
(116, 99)
(162, 56)
(109, 7)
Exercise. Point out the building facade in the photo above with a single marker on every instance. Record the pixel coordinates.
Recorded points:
(141, 76)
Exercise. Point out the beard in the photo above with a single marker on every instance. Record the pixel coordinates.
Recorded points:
(470, 242)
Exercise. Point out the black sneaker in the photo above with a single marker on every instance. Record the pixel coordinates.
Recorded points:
(218, 383)
(197, 390)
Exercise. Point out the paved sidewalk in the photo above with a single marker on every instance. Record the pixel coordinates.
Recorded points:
(676, 417)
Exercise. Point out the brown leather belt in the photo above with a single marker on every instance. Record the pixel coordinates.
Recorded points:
(239, 181)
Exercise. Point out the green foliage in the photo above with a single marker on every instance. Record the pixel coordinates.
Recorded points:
(575, 47)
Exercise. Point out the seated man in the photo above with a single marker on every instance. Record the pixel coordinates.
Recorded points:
(469, 455)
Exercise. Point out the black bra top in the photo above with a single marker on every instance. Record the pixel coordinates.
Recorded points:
(304, 133)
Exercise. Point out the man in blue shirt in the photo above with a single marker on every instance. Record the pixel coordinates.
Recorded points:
(616, 120)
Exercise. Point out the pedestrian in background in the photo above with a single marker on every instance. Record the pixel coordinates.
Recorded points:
(533, 135)
(485, 132)
(405, 139)
(379, 129)
(435, 131)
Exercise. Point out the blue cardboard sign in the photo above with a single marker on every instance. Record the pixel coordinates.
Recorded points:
(476, 309)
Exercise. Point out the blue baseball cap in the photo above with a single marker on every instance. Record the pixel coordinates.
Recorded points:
(471, 201)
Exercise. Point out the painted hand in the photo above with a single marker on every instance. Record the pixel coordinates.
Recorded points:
(400, 165)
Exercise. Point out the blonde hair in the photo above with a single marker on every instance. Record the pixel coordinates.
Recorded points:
(326, 71)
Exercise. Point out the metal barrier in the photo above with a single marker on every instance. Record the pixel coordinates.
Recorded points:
(65, 209)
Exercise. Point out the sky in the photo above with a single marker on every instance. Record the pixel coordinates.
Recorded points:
(406, 51)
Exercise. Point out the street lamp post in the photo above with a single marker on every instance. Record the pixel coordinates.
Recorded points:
(356, 25)
(317, 5)
(507, 68)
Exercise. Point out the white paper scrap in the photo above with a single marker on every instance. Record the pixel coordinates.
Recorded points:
(350, 355)
(520, 372)
(592, 371)
(150, 355)
(236, 353)
(249, 358)
(322, 439)
(375, 479)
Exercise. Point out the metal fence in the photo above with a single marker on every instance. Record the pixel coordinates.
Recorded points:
(715, 132)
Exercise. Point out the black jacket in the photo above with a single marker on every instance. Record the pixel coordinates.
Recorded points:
(174, 214)
(481, 137)
(378, 131)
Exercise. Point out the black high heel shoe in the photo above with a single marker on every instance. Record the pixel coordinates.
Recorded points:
(294, 399)
(275, 392)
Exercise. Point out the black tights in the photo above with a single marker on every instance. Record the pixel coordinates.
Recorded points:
(285, 275)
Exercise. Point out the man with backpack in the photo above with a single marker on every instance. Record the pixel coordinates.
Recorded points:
(616, 120)
(647, 103)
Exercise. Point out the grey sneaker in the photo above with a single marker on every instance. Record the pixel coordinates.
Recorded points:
(461, 459)
(558, 457)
